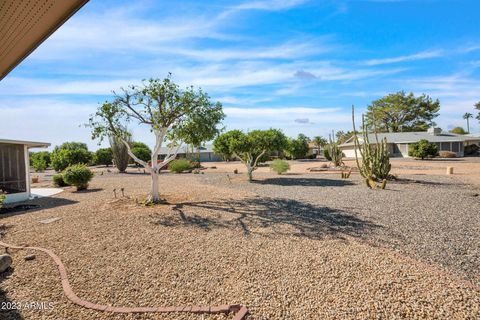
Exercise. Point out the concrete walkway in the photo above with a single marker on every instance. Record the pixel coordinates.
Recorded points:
(44, 192)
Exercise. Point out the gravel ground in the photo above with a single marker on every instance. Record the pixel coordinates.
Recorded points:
(290, 247)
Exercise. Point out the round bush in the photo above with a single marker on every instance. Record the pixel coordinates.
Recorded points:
(39, 164)
(179, 166)
(62, 158)
(2, 198)
(40, 160)
(279, 166)
(58, 180)
(78, 175)
(103, 156)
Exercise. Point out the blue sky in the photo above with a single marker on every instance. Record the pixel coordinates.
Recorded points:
(295, 65)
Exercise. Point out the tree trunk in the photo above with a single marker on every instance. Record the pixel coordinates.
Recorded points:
(155, 192)
(250, 174)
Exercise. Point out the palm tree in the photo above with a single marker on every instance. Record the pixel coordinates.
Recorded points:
(467, 116)
(319, 142)
(477, 106)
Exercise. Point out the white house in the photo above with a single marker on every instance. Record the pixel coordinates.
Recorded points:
(14, 168)
(206, 153)
(398, 142)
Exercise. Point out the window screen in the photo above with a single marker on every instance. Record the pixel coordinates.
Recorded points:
(456, 147)
(12, 168)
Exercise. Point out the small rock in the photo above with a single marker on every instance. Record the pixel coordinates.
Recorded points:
(50, 220)
(5, 262)
(29, 257)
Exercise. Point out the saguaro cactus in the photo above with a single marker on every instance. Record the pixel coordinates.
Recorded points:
(375, 165)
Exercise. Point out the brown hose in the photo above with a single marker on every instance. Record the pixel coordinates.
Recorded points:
(240, 311)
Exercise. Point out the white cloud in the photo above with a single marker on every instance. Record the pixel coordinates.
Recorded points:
(412, 57)
(289, 112)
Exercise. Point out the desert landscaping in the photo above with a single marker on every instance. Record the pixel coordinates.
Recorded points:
(291, 246)
(239, 160)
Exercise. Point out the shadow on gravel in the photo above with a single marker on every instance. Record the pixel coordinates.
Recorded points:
(8, 309)
(89, 190)
(422, 182)
(267, 216)
(33, 205)
(306, 182)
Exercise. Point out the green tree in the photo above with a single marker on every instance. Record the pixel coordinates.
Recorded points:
(222, 144)
(166, 109)
(298, 148)
(70, 153)
(423, 149)
(400, 112)
(342, 136)
(477, 106)
(40, 160)
(103, 156)
(458, 130)
(251, 147)
(319, 142)
(202, 126)
(141, 151)
(467, 116)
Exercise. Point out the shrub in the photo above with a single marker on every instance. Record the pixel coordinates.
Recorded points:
(141, 151)
(103, 157)
(78, 175)
(279, 166)
(39, 164)
(471, 149)
(423, 149)
(68, 154)
(179, 166)
(58, 180)
(447, 154)
(40, 160)
(196, 164)
(298, 148)
(3, 196)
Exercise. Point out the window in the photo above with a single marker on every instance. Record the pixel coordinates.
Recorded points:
(445, 146)
(12, 168)
(456, 146)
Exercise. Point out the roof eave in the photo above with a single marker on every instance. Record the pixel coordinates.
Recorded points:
(29, 144)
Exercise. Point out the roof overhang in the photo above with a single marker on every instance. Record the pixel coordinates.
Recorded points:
(29, 144)
(24, 25)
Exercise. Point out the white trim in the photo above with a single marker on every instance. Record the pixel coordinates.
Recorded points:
(30, 144)
(27, 169)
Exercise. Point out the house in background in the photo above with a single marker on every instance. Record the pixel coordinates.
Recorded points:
(14, 168)
(206, 153)
(472, 138)
(313, 150)
(399, 142)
